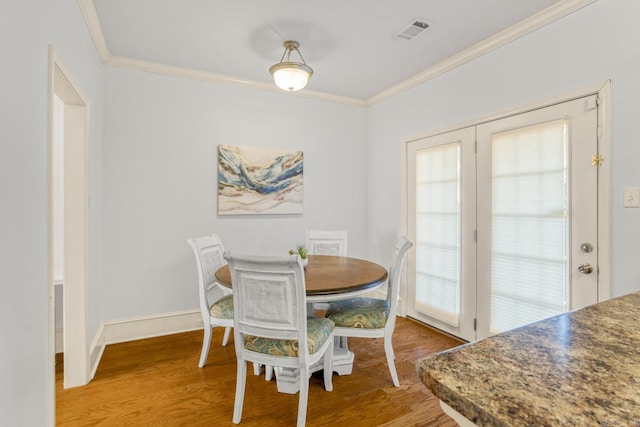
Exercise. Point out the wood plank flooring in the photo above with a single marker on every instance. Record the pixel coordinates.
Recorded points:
(157, 382)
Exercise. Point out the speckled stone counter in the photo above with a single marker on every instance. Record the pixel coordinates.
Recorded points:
(577, 369)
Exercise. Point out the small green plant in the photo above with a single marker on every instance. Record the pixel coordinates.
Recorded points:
(300, 250)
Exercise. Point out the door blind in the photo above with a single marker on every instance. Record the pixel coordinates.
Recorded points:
(529, 279)
(438, 232)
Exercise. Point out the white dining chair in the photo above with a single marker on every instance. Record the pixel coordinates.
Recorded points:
(372, 317)
(216, 305)
(271, 326)
(216, 302)
(326, 242)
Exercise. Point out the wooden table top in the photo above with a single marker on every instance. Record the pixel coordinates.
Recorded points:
(329, 278)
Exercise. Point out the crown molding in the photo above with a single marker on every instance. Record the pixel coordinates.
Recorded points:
(529, 25)
(190, 73)
(88, 10)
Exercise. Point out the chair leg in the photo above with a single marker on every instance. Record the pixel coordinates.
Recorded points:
(241, 379)
(328, 367)
(303, 397)
(268, 373)
(388, 349)
(206, 342)
(227, 332)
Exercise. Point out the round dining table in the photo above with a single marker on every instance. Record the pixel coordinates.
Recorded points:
(331, 278)
(327, 278)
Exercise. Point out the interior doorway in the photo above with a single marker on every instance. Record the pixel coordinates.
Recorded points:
(73, 194)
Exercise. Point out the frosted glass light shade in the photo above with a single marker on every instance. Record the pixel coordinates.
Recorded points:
(291, 76)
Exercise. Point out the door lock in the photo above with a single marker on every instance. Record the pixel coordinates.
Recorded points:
(585, 268)
(586, 247)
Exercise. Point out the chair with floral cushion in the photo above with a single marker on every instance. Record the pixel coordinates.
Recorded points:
(216, 304)
(373, 317)
(270, 323)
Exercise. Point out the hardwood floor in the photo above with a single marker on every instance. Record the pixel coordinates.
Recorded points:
(157, 382)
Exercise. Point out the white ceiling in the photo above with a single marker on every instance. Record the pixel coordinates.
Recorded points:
(348, 43)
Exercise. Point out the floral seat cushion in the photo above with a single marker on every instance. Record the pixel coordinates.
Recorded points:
(318, 330)
(366, 313)
(223, 308)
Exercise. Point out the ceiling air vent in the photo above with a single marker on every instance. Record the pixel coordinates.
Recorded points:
(413, 29)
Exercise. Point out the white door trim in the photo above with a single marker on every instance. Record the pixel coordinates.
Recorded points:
(76, 348)
(604, 192)
(525, 108)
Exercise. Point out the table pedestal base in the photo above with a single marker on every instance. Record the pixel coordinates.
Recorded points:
(288, 380)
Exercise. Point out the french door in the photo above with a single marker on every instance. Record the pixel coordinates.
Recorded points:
(504, 218)
(441, 276)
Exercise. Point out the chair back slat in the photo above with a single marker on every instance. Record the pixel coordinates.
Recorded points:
(395, 272)
(269, 296)
(326, 242)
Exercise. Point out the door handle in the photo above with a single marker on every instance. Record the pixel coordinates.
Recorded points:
(585, 268)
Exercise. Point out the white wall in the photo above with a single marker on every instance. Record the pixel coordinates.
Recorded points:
(26, 29)
(23, 247)
(597, 43)
(160, 182)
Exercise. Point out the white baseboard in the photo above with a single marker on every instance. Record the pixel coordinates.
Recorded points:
(59, 341)
(140, 328)
(95, 352)
(151, 326)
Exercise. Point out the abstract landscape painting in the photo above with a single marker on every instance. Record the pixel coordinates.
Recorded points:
(253, 180)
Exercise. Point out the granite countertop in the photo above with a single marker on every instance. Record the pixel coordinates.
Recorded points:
(577, 369)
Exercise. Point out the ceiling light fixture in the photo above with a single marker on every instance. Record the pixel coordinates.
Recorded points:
(290, 75)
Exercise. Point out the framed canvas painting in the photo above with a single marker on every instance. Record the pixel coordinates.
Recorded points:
(256, 180)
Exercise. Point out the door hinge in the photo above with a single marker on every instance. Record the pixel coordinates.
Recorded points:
(475, 324)
(596, 160)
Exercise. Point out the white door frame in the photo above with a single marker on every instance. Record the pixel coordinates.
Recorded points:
(603, 90)
(76, 113)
